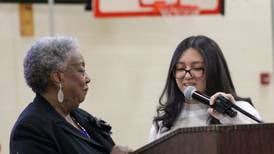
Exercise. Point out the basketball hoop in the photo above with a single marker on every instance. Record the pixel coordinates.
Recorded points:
(175, 9)
(102, 8)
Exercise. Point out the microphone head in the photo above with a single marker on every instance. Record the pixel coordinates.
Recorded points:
(189, 91)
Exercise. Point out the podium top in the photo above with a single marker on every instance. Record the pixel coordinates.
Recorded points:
(215, 129)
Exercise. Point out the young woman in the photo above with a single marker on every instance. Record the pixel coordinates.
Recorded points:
(197, 61)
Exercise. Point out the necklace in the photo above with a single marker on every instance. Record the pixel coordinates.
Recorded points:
(191, 102)
(82, 129)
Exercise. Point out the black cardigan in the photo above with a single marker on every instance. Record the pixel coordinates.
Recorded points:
(41, 130)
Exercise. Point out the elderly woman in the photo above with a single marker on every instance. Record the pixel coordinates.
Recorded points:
(53, 123)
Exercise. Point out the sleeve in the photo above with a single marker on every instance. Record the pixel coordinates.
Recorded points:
(152, 134)
(241, 118)
(27, 139)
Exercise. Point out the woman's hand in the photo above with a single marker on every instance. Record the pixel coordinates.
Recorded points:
(215, 113)
(119, 149)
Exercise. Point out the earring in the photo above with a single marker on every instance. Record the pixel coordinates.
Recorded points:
(60, 94)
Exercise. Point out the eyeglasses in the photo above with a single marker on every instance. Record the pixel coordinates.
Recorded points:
(180, 73)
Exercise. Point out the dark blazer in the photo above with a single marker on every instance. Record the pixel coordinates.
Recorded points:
(41, 130)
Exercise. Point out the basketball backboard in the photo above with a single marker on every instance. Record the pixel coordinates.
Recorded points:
(129, 8)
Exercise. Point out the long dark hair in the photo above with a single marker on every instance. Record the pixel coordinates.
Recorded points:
(217, 74)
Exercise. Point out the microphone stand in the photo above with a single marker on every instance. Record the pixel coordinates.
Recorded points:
(227, 105)
(221, 104)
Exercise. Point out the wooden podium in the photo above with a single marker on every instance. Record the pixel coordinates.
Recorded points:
(215, 139)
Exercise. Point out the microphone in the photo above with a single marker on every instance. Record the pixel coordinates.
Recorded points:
(222, 104)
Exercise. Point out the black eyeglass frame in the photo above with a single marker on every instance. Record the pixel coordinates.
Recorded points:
(188, 71)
